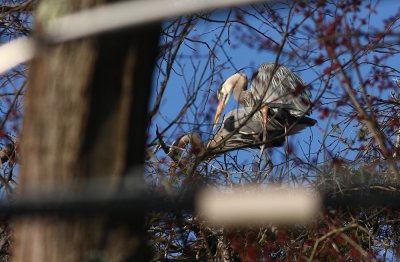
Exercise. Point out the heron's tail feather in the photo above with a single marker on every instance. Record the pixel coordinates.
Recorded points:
(307, 121)
(298, 124)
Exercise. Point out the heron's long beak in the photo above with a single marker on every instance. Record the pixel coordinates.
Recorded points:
(220, 108)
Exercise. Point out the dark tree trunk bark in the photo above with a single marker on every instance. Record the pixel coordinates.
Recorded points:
(85, 117)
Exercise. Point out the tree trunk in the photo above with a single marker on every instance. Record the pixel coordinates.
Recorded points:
(85, 116)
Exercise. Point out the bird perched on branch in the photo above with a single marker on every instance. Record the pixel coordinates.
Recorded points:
(273, 87)
(275, 107)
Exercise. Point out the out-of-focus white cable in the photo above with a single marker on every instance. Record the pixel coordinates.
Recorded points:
(15, 52)
(107, 18)
(256, 206)
(132, 13)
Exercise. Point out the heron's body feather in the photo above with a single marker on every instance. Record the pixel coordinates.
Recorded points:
(247, 130)
(274, 83)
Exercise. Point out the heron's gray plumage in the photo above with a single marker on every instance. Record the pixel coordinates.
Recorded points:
(249, 131)
(285, 88)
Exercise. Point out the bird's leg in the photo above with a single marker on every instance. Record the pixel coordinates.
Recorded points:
(264, 111)
(287, 148)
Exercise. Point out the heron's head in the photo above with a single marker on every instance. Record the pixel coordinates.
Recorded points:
(237, 81)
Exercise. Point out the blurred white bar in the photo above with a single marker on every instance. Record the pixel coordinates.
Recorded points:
(129, 13)
(256, 206)
(107, 18)
(15, 52)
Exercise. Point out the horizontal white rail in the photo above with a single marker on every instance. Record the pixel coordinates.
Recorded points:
(107, 18)
(15, 52)
(256, 205)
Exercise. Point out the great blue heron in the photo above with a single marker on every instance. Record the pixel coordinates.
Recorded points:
(273, 86)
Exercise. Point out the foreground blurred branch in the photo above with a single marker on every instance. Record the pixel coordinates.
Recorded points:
(106, 196)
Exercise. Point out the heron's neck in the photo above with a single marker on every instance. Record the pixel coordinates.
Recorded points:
(240, 94)
(239, 87)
